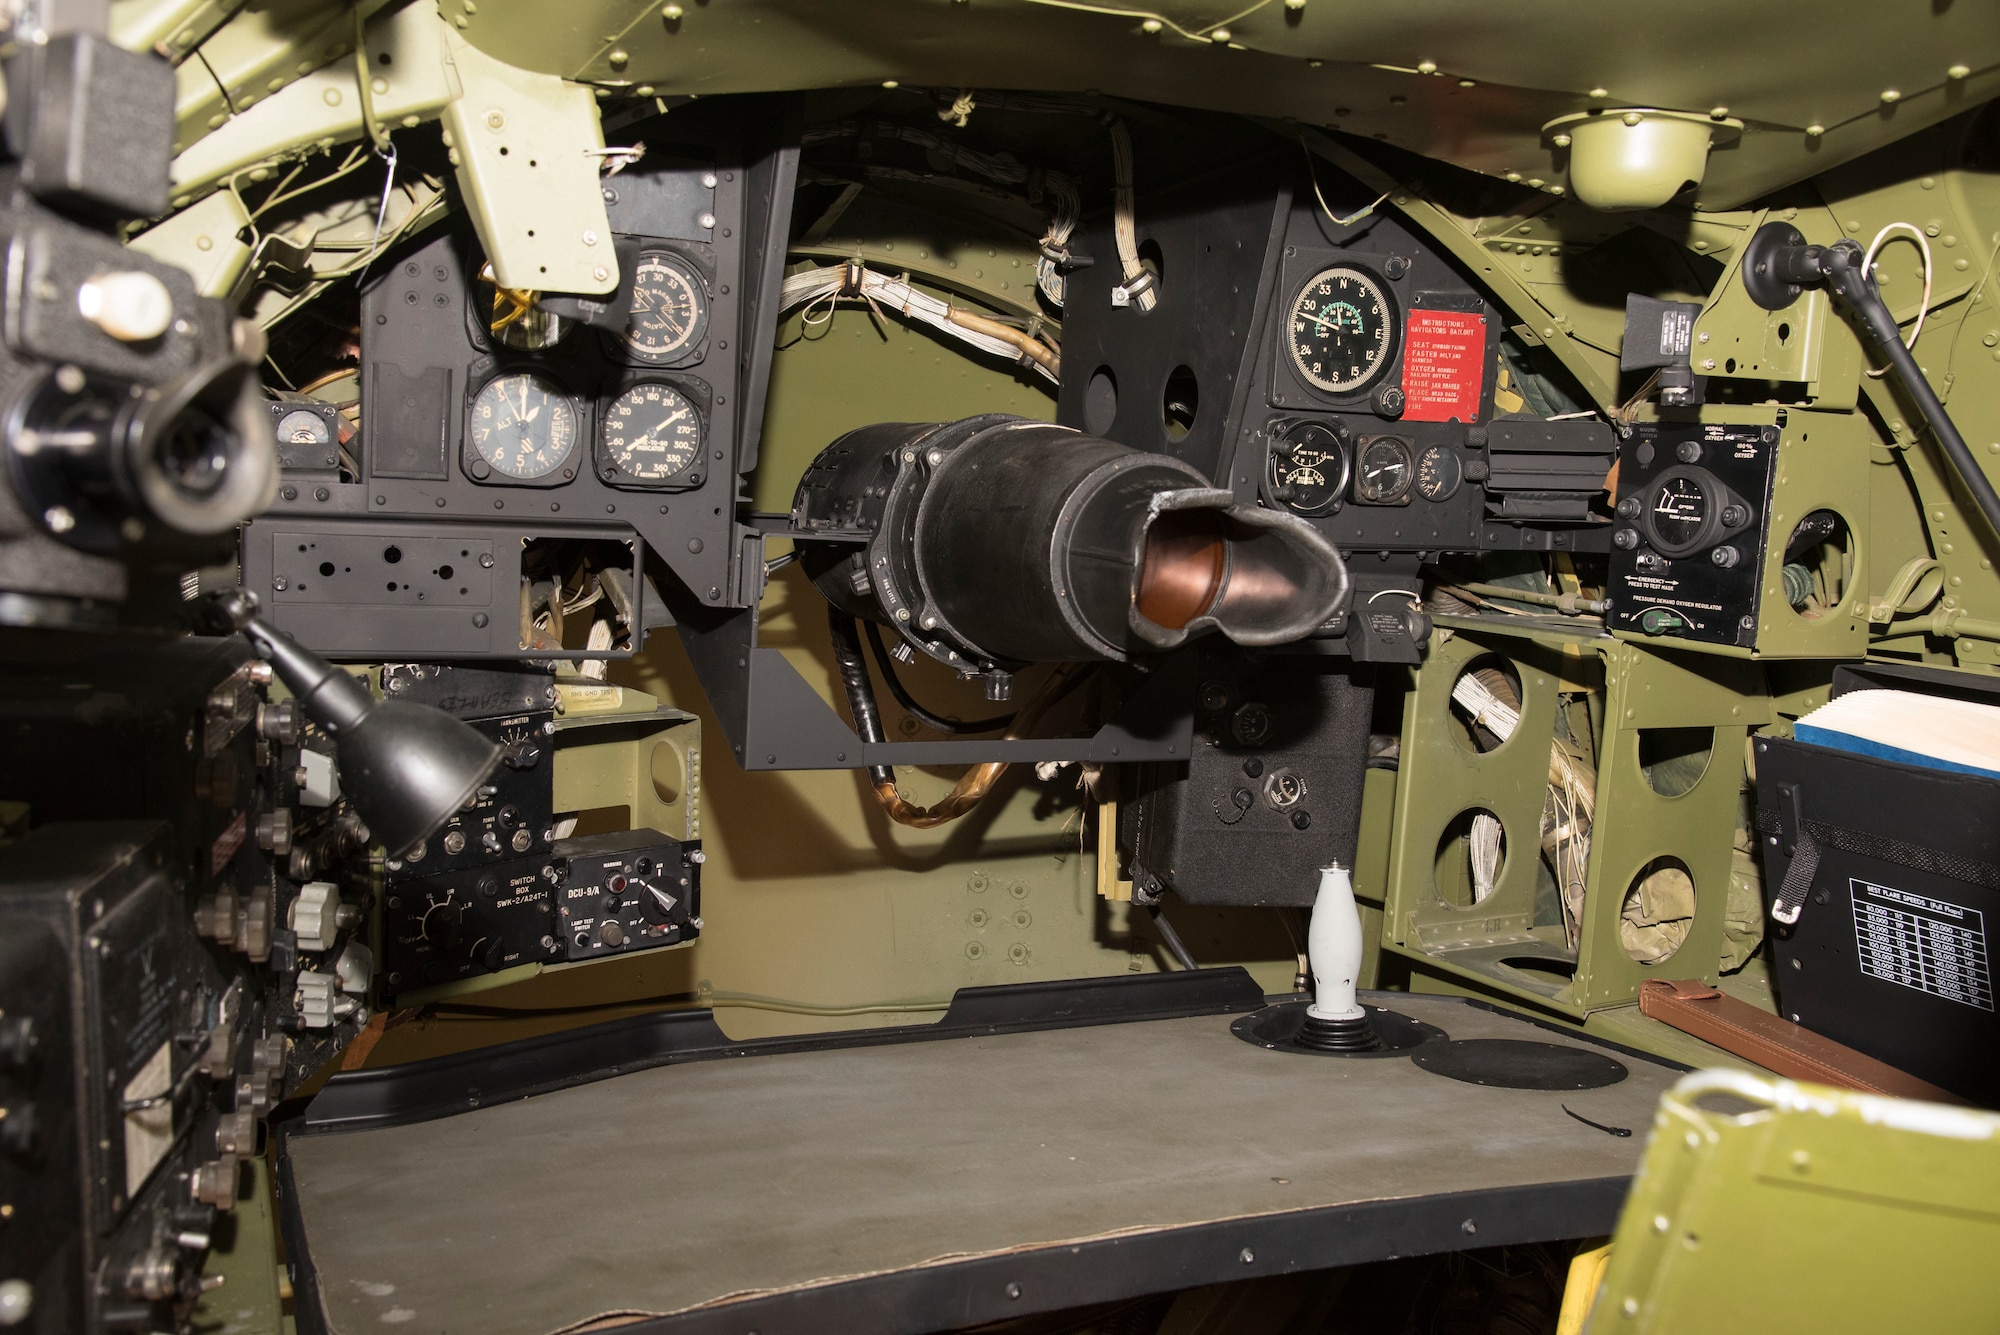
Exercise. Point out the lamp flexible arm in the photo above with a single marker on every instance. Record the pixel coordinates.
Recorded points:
(1845, 277)
(1777, 263)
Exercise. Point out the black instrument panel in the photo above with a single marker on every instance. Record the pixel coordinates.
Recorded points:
(491, 418)
(1688, 551)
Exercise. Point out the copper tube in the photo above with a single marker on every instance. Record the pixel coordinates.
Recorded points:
(1030, 347)
(1181, 572)
(973, 786)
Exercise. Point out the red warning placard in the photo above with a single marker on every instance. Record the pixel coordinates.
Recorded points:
(1444, 366)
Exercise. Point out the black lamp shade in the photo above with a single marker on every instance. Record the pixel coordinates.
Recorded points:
(404, 767)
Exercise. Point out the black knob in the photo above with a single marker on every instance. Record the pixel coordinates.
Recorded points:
(1725, 556)
(658, 902)
(511, 818)
(1416, 624)
(18, 1127)
(1625, 538)
(1253, 767)
(1630, 507)
(441, 928)
(612, 934)
(1734, 516)
(490, 954)
(1301, 819)
(521, 755)
(18, 1042)
(1688, 451)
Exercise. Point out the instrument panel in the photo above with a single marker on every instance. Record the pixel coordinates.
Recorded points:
(505, 425)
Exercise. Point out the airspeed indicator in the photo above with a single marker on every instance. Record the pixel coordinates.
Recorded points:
(651, 432)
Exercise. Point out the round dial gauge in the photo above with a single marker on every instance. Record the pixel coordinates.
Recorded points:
(651, 432)
(669, 312)
(1383, 474)
(1340, 330)
(302, 426)
(523, 426)
(1439, 473)
(1308, 470)
(1680, 512)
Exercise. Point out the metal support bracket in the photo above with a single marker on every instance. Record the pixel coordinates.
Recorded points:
(773, 719)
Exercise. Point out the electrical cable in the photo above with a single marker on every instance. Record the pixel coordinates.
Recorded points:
(832, 282)
(909, 703)
(1065, 205)
(1312, 172)
(1141, 284)
(1868, 271)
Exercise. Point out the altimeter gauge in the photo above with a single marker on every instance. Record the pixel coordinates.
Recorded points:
(651, 432)
(669, 314)
(523, 427)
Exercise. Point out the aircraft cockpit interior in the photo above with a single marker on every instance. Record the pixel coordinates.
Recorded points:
(1036, 667)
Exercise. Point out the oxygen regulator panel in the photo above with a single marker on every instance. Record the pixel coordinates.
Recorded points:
(1687, 556)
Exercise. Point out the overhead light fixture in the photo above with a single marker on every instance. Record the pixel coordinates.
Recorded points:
(404, 767)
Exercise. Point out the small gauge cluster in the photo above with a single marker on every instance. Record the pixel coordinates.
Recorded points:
(530, 428)
(1315, 468)
(1379, 372)
(539, 421)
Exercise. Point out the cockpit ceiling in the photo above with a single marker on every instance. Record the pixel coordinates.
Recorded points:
(1467, 81)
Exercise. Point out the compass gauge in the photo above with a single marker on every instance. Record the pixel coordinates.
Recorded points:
(1341, 330)
(669, 315)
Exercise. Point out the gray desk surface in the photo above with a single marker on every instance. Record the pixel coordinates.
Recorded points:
(682, 1186)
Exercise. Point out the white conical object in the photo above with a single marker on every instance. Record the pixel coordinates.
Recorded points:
(1333, 947)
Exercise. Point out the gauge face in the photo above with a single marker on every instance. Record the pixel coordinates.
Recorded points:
(1678, 513)
(1439, 473)
(669, 308)
(1340, 329)
(651, 432)
(523, 426)
(1383, 474)
(303, 427)
(1309, 469)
